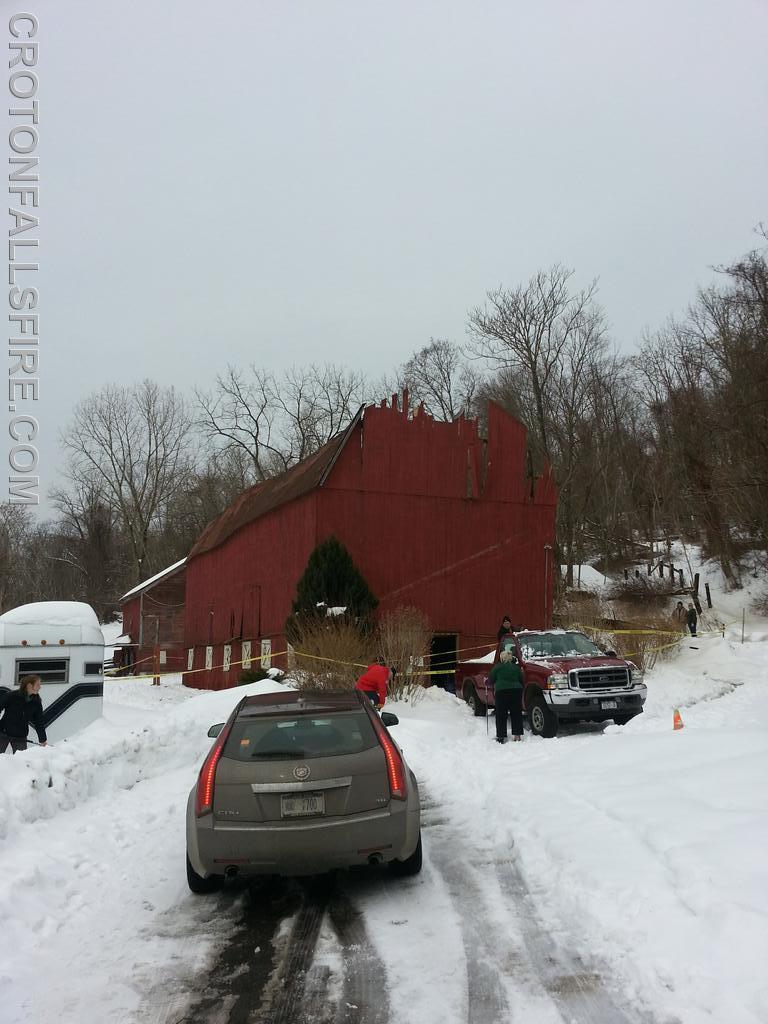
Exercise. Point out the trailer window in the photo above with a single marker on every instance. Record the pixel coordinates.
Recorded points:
(50, 670)
(93, 668)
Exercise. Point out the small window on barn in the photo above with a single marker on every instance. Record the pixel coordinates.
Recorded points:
(50, 670)
(93, 668)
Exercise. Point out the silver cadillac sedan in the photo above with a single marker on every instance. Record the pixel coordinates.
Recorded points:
(299, 783)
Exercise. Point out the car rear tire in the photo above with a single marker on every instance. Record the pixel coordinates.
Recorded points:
(622, 719)
(199, 885)
(410, 866)
(543, 720)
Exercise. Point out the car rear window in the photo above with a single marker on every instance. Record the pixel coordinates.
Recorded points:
(299, 736)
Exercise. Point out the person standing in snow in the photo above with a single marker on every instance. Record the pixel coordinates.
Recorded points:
(21, 708)
(507, 680)
(373, 682)
(691, 618)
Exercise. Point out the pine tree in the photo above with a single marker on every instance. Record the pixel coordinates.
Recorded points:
(331, 578)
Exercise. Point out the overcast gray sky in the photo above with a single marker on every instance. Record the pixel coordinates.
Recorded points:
(281, 182)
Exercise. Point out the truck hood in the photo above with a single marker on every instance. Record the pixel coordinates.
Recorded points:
(566, 664)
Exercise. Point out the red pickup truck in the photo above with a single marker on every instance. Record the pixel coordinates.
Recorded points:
(567, 678)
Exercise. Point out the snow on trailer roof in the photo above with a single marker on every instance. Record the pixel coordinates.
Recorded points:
(52, 621)
(154, 579)
(52, 613)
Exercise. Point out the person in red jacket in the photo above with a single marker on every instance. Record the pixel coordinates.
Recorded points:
(373, 682)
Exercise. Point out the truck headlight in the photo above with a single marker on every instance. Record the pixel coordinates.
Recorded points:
(558, 682)
(637, 676)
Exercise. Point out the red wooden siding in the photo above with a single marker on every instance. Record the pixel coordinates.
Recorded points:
(434, 516)
(162, 608)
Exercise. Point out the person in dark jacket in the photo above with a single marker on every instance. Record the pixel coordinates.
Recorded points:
(691, 618)
(507, 679)
(505, 628)
(373, 682)
(21, 708)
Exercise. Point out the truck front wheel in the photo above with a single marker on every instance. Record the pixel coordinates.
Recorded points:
(543, 720)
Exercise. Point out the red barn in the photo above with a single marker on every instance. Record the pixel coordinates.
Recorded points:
(434, 516)
(153, 614)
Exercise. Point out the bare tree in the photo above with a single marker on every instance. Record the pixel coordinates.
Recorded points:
(275, 422)
(550, 351)
(705, 377)
(91, 542)
(135, 445)
(528, 329)
(438, 377)
(15, 528)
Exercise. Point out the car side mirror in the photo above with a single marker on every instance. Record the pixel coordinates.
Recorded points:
(214, 731)
(389, 719)
(610, 654)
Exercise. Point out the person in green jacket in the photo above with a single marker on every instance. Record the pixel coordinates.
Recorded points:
(507, 681)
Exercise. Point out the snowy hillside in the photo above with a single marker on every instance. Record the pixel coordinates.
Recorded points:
(641, 849)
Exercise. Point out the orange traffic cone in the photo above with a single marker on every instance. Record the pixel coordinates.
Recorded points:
(677, 722)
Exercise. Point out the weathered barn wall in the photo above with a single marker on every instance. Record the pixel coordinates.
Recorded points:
(434, 516)
(162, 609)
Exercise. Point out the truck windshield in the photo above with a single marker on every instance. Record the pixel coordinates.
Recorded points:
(558, 645)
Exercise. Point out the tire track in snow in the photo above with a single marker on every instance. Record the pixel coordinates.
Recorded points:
(243, 968)
(365, 996)
(526, 954)
(486, 995)
(246, 986)
(284, 993)
(575, 987)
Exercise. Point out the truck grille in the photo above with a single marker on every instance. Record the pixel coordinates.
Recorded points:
(600, 678)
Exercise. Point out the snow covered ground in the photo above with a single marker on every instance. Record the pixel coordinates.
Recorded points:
(642, 849)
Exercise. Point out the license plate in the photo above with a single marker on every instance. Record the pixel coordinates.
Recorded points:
(302, 805)
(608, 705)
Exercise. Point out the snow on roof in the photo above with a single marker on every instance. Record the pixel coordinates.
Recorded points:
(154, 579)
(72, 622)
(52, 613)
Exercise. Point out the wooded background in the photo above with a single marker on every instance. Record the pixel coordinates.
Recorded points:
(671, 440)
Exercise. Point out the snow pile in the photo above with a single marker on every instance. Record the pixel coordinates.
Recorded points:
(644, 845)
(116, 752)
(642, 848)
(587, 577)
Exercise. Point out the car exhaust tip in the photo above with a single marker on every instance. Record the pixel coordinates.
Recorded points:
(231, 871)
(375, 858)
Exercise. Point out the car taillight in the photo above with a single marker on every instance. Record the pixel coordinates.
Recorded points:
(395, 766)
(207, 777)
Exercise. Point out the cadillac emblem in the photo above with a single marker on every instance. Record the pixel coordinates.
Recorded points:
(301, 772)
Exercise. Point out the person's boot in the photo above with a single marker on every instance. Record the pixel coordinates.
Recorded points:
(501, 739)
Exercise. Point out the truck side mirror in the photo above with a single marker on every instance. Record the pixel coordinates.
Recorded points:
(215, 730)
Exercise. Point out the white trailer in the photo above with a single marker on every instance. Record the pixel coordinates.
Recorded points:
(62, 642)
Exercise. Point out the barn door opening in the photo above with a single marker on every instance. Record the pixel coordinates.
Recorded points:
(442, 659)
